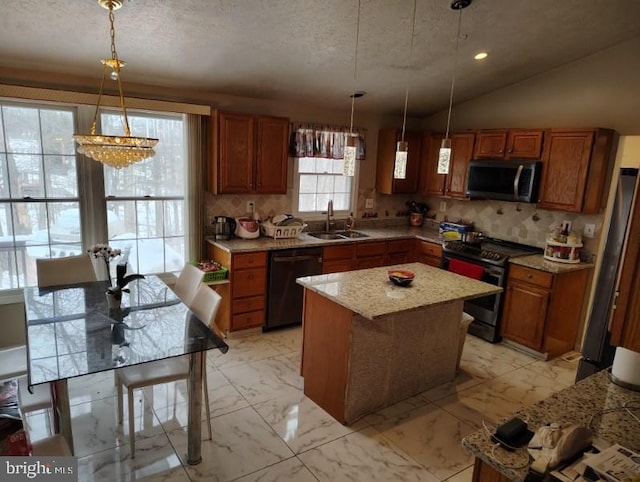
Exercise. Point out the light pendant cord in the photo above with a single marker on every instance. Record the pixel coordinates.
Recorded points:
(116, 60)
(453, 76)
(406, 90)
(355, 68)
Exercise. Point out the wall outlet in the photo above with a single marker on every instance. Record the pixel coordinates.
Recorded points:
(251, 205)
(368, 203)
(443, 206)
(589, 230)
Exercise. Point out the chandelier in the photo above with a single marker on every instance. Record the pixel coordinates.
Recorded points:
(114, 151)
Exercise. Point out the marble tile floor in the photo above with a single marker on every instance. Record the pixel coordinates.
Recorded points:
(265, 429)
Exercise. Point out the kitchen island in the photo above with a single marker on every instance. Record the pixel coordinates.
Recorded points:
(368, 343)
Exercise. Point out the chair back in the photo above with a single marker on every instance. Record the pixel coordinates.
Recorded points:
(187, 283)
(12, 318)
(65, 271)
(205, 306)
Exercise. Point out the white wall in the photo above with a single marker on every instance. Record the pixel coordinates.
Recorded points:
(601, 90)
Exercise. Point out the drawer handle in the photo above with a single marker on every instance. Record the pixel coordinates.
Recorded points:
(529, 276)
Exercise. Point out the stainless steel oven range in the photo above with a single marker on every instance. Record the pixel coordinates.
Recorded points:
(492, 256)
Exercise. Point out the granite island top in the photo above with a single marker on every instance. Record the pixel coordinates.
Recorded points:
(369, 293)
(537, 261)
(238, 245)
(595, 403)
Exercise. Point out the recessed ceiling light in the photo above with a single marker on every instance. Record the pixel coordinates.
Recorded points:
(481, 55)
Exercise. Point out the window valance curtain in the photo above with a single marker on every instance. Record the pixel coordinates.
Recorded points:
(314, 140)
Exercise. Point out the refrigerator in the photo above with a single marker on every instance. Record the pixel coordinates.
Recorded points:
(597, 352)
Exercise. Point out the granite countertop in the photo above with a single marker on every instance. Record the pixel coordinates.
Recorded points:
(537, 261)
(304, 240)
(588, 403)
(369, 292)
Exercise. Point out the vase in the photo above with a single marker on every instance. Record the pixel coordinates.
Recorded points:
(113, 300)
(416, 219)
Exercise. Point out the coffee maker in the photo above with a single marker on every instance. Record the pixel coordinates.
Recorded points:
(223, 227)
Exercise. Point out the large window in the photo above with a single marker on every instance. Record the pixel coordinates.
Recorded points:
(40, 186)
(147, 198)
(320, 180)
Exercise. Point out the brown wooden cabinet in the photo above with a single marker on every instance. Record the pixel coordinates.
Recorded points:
(247, 288)
(461, 154)
(576, 168)
(248, 154)
(428, 253)
(398, 251)
(387, 142)
(508, 144)
(543, 310)
(431, 183)
(625, 324)
(338, 258)
(371, 254)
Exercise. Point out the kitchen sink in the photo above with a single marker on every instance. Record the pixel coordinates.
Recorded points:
(337, 234)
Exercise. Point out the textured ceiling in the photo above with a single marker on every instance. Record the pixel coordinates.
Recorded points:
(303, 50)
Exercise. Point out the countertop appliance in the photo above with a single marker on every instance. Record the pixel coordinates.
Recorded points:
(223, 227)
(504, 180)
(491, 255)
(597, 352)
(247, 228)
(284, 305)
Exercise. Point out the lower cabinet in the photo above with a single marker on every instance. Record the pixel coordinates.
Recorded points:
(543, 310)
(339, 258)
(398, 251)
(366, 254)
(428, 253)
(371, 255)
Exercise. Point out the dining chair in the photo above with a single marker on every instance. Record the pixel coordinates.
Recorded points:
(204, 305)
(187, 283)
(64, 271)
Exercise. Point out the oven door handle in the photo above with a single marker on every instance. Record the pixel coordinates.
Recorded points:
(516, 181)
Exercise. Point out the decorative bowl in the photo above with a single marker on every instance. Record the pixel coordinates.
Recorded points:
(400, 277)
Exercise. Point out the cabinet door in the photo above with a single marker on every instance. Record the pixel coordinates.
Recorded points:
(525, 311)
(566, 163)
(396, 258)
(235, 139)
(490, 145)
(387, 143)
(337, 266)
(461, 152)
(370, 262)
(271, 157)
(431, 183)
(524, 144)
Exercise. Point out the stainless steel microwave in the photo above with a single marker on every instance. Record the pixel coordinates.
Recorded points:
(504, 180)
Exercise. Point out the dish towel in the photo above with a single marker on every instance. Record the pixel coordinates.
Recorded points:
(463, 268)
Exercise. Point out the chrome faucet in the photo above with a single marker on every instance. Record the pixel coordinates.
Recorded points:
(329, 215)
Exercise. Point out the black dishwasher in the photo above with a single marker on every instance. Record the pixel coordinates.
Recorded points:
(284, 306)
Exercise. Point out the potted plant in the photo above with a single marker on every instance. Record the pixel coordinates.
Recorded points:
(417, 211)
(107, 253)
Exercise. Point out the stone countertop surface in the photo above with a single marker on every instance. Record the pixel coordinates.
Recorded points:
(369, 292)
(238, 245)
(595, 403)
(537, 261)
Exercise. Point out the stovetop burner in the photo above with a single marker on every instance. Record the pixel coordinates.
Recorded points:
(490, 250)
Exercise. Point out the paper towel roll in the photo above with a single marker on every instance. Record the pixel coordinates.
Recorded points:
(626, 369)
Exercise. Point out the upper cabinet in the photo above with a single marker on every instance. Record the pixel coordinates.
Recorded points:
(431, 183)
(461, 154)
(387, 142)
(575, 169)
(508, 144)
(248, 154)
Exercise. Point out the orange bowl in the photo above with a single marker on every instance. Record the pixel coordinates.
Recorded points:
(400, 277)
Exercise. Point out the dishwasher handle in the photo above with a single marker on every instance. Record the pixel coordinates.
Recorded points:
(295, 259)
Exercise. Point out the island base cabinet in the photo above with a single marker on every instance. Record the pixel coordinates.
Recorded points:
(353, 366)
(483, 472)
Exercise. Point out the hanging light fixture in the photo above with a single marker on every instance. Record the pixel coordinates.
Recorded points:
(351, 138)
(444, 156)
(114, 151)
(402, 150)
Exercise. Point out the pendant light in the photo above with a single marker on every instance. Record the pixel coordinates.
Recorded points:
(444, 156)
(400, 164)
(351, 138)
(115, 151)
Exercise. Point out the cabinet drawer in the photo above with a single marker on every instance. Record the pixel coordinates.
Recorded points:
(398, 246)
(243, 305)
(342, 251)
(533, 276)
(397, 258)
(370, 262)
(371, 249)
(337, 266)
(247, 320)
(249, 282)
(430, 249)
(429, 260)
(250, 260)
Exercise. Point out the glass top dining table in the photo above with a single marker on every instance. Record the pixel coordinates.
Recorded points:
(71, 332)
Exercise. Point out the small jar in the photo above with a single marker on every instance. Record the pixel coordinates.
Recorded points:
(416, 219)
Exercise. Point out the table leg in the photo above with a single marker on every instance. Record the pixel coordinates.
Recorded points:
(61, 411)
(194, 427)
